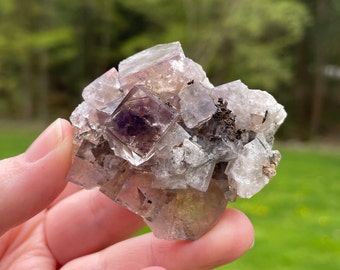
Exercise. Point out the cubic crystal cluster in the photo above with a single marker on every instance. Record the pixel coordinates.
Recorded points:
(158, 138)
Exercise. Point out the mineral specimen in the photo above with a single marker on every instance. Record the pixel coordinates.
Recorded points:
(158, 138)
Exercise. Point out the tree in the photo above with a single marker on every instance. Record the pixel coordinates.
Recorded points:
(312, 88)
(231, 39)
(50, 49)
(28, 35)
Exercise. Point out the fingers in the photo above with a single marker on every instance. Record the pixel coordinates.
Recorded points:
(31, 181)
(228, 240)
(68, 191)
(86, 222)
(154, 268)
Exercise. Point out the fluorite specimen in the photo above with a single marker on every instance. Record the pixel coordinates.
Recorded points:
(158, 138)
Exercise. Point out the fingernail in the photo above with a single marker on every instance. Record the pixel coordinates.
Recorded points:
(47, 141)
(252, 245)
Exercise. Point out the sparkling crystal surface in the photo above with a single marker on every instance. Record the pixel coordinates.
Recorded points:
(140, 121)
(192, 99)
(103, 90)
(159, 139)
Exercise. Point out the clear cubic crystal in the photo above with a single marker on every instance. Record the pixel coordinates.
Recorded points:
(103, 90)
(140, 121)
(196, 106)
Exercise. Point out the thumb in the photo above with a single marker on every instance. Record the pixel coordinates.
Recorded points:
(31, 181)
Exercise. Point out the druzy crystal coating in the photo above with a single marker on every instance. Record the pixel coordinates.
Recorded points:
(159, 139)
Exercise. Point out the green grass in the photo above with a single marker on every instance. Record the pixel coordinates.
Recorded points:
(296, 217)
(15, 137)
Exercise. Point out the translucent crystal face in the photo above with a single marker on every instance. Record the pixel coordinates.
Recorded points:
(140, 121)
(158, 138)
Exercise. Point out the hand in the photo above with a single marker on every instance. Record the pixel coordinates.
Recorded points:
(46, 223)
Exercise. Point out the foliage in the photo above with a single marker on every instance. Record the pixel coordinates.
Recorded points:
(313, 98)
(222, 34)
(49, 50)
(81, 39)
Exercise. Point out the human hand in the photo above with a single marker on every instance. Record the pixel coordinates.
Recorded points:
(46, 223)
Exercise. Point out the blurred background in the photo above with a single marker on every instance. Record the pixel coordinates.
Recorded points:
(51, 49)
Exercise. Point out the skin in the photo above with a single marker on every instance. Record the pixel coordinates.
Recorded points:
(47, 223)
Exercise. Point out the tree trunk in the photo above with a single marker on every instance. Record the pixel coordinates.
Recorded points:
(27, 89)
(320, 80)
(43, 88)
(301, 86)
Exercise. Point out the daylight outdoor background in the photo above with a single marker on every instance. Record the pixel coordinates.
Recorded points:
(51, 49)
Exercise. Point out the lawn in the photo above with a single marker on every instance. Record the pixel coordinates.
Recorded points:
(15, 137)
(296, 217)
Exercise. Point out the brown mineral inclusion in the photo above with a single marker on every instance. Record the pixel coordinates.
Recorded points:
(159, 139)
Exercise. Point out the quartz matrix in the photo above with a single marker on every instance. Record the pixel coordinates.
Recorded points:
(158, 138)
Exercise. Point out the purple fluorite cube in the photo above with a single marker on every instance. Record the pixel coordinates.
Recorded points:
(140, 121)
